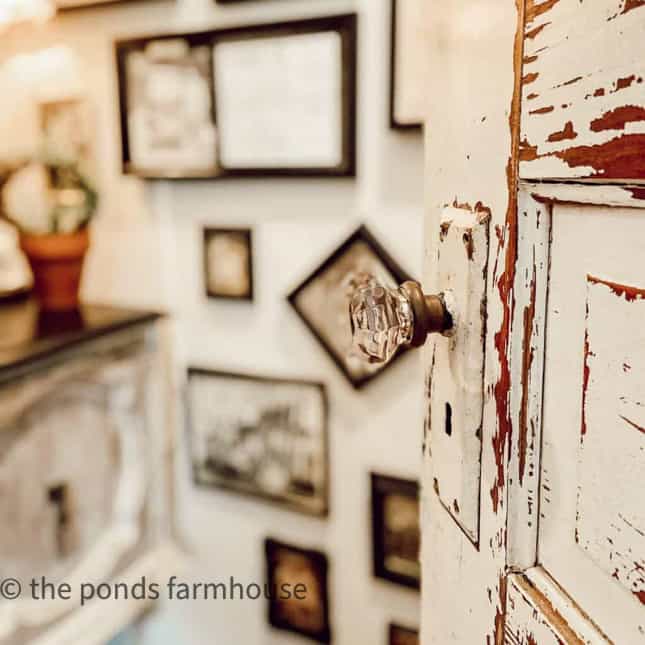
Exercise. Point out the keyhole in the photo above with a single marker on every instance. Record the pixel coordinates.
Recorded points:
(59, 496)
(448, 420)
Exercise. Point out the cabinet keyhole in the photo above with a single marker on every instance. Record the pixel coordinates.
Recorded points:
(448, 420)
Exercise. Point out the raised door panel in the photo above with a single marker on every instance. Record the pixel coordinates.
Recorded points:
(592, 528)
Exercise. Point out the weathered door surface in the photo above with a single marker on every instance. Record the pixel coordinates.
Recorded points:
(534, 465)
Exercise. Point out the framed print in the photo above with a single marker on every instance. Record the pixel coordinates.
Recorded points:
(261, 100)
(407, 65)
(228, 263)
(304, 572)
(398, 635)
(322, 302)
(285, 97)
(167, 107)
(396, 530)
(260, 436)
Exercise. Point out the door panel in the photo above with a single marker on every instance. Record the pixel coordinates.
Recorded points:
(592, 529)
(583, 85)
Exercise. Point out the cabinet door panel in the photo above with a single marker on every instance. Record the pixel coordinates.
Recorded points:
(592, 529)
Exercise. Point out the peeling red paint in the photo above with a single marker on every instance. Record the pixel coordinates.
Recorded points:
(630, 5)
(623, 291)
(631, 423)
(528, 152)
(618, 118)
(637, 193)
(527, 362)
(624, 83)
(543, 110)
(530, 78)
(599, 92)
(641, 596)
(532, 96)
(534, 10)
(533, 33)
(500, 612)
(469, 244)
(586, 374)
(530, 59)
(571, 82)
(565, 134)
(619, 158)
(455, 505)
(463, 205)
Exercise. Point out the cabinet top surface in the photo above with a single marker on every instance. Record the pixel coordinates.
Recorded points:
(28, 334)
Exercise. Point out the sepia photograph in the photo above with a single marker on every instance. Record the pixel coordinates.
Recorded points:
(260, 436)
(396, 530)
(399, 635)
(322, 300)
(228, 263)
(290, 565)
(167, 107)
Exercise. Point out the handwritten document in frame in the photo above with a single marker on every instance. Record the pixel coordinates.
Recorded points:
(279, 101)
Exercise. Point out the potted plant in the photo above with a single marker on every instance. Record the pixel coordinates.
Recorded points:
(51, 202)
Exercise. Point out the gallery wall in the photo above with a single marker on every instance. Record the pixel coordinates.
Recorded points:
(146, 252)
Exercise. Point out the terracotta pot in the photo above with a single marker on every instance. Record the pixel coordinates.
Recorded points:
(56, 261)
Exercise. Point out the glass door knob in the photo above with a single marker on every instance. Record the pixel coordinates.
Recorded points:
(384, 319)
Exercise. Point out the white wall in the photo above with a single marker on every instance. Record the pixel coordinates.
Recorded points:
(147, 252)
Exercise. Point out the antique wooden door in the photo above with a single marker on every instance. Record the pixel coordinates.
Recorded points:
(533, 525)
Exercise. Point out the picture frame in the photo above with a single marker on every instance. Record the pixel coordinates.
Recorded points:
(228, 263)
(247, 127)
(395, 530)
(167, 106)
(80, 5)
(399, 635)
(405, 41)
(289, 564)
(320, 300)
(260, 436)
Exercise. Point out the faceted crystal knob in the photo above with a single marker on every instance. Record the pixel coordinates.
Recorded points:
(384, 319)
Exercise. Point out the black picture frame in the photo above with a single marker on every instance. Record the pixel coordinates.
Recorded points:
(394, 123)
(202, 476)
(399, 275)
(344, 24)
(319, 568)
(383, 486)
(400, 635)
(245, 234)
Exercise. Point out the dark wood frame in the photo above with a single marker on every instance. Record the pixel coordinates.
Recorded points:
(344, 24)
(382, 486)
(362, 233)
(95, 4)
(394, 124)
(248, 234)
(394, 627)
(261, 495)
(320, 565)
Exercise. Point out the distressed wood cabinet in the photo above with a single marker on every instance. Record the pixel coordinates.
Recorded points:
(537, 118)
(85, 466)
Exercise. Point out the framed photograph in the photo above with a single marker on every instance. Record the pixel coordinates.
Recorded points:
(407, 65)
(398, 635)
(228, 263)
(396, 530)
(321, 300)
(260, 436)
(292, 566)
(273, 99)
(286, 97)
(167, 107)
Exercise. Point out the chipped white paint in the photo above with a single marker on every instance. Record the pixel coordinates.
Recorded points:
(457, 377)
(538, 613)
(469, 151)
(527, 352)
(610, 518)
(591, 478)
(583, 96)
